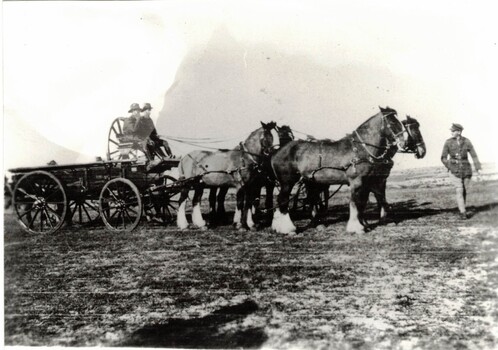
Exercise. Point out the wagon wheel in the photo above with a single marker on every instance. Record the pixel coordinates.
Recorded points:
(113, 143)
(301, 200)
(120, 205)
(83, 211)
(162, 203)
(40, 202)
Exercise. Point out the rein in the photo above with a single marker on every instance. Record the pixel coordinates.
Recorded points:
(257, 165)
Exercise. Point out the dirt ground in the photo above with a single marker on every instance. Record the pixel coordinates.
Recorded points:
(425, 280)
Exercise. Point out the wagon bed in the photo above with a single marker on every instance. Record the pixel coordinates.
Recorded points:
(117, 191)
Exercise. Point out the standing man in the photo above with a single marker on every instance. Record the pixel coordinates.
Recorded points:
(455, 158)
(145, 128)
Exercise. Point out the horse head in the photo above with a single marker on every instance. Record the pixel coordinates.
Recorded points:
(285, 134)
(392, 128)
(260, 141)
(414, 140)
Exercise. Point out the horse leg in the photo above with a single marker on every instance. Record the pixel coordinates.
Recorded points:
(354, 225)
(256, 200)
(238, 208)
(281, 222)
(196, 208)
(212, 204)
(222, 193)
(382, 206)
(246, 219)
(362, 206)
(181, 218)
(270, 187)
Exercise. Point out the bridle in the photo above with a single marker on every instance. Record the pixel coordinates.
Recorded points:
(393, 137)
(409, 146)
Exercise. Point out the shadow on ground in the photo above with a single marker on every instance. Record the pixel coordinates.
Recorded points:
(399, 212)
(204, 332)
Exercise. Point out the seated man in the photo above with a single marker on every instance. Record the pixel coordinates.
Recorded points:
(129, 123)
(144, 128)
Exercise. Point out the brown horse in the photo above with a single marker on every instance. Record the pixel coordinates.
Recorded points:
(237, 168)
(350, 160)
(414, 143)
(377, 180)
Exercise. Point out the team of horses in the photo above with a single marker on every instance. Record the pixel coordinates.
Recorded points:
(362, 160)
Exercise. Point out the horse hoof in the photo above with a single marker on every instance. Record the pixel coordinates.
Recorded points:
(320, 228)
(203, 228)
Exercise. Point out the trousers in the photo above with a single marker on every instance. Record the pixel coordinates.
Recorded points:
(461, 190)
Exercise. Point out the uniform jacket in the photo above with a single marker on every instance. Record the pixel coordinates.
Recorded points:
(455, 157)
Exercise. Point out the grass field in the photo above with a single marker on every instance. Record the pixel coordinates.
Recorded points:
(425, 280)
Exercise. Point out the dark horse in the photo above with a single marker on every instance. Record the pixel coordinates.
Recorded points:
(414, 143)
(350, 160)
(236, 168)
(377, 180)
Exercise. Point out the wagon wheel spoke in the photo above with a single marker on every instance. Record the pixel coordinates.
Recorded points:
(91, 206)
(33, 218)
(55, 212)
(27, 212)
(22, 190)
(86, 212)
(48, 217)
(114, 129)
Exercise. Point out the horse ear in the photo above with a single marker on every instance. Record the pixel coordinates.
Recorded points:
(263, 124)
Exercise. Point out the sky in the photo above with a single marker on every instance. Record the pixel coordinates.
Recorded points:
(70, 68)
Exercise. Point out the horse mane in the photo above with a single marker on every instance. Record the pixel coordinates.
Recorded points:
(384, 111)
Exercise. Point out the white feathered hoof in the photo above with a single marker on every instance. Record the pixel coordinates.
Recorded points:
(237, 217)
(197, 216)
(181, 219)
(249, 221)
(282, 223)
(354, 226)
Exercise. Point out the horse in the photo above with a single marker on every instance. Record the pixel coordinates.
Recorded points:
(236, 168)
(350, 160)
(266, 179)
(414, 143)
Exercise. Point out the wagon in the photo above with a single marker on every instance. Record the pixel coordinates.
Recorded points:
(119, 193)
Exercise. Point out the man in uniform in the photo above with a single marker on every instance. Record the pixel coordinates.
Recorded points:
(455, 158)
(144, 128)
